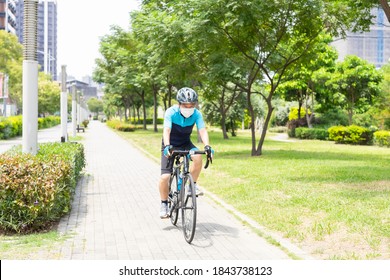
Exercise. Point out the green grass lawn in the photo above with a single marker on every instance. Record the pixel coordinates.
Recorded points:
(31, 246)
(331, 200)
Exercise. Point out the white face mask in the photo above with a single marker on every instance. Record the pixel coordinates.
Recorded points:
(187, 112)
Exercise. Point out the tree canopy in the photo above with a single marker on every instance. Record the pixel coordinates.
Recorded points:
(227, 49)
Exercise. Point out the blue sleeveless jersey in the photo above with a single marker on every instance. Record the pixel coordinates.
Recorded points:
(181, 128)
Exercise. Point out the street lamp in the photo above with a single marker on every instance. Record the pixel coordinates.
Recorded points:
(30, 78)
(64, 106)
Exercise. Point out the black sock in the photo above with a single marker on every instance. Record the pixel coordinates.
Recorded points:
(164, 201)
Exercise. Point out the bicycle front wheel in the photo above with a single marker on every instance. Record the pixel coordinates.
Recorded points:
(173, 202)
(188, 208)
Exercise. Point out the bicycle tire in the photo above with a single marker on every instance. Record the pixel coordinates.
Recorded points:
(188, 208)
(173, 199)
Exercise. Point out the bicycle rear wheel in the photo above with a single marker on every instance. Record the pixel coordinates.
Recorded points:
(173, 201)
(188, 207)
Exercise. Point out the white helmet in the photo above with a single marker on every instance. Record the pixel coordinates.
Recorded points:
(187, 95)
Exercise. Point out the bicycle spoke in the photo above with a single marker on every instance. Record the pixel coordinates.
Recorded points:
(188, 209)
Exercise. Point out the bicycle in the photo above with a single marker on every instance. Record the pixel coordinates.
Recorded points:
(182, 194)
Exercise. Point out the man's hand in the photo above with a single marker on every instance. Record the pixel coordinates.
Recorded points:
(167, 150)
(209, 151)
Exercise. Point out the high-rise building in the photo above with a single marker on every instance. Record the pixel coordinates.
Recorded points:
(7, 16)
(373, 46)
(49, 37)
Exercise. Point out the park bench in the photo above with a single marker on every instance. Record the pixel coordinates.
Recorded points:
(79, 128)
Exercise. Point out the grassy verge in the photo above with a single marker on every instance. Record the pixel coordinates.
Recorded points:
(32, 246)
(331, 200)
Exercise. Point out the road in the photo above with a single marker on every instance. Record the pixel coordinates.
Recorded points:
(44, 135)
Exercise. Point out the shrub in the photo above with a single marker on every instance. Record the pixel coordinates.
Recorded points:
(48, 122)
(387, 123)
(352, 134)
(13, 126)
(311, 133)
(293, 124)
(121, 126)
(37, 190)
(293, 115)
(10, 127)
(148, 121)
(382, 138)
(85, 123)
(333, 117)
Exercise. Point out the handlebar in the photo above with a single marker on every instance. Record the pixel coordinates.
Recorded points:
(175, 153)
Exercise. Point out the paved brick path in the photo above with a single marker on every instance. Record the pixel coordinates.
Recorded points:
(115, 213)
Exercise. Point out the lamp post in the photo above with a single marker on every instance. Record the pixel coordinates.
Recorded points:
(64, 106)
(30, 78)
(46, 37)
(74, 105)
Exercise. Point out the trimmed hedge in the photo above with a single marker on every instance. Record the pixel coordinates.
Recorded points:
(352, 134)
(36, 191)
(47, 122)
(121, 126)
(311, 133)
(382, 138)
(13, 126)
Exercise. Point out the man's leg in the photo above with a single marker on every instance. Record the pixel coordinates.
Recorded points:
(196, 166)
(163, 186)
(195, 169)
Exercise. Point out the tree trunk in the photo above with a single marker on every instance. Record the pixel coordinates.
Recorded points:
(259, 150)
(223, 116)
(126, 118)
(386, 8)
(223, 125)
(252, 124)
(154, 109)
(308, 117)
(143, 110)
(233, 131)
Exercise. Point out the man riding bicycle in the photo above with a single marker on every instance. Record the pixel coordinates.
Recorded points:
(179, 121)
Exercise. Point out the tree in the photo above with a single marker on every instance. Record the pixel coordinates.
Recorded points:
(250, 44)
(301, 84)
(95, 105)
(48, 95)
(386, 8)
(265, 39)
(164, 63)
(11, 64)
(219, 108)
(382, 101)
(114, 68)
(357, 83)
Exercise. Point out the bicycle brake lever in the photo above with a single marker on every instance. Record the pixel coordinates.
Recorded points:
(209, 160)
(168, 162)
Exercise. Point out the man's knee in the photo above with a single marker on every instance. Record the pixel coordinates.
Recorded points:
(197, 160)
(164, 177)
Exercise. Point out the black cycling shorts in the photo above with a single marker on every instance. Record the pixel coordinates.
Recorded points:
(164, 160)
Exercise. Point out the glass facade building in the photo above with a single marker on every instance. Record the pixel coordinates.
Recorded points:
(373, 46)
(8, 16)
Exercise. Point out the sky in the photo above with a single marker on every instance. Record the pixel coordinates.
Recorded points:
(81, 24)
